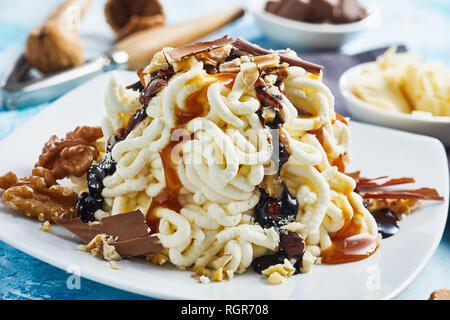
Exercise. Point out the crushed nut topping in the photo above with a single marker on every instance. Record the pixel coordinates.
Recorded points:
(46, 226)
(397, 206)
(101, 245)
(113, 265)
(275, 279)
(286, 269)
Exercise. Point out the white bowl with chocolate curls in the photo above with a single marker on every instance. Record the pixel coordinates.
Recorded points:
(307, 24)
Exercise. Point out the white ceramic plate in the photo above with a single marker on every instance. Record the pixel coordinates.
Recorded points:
(438, 127)
(377, 151)
(296, 34)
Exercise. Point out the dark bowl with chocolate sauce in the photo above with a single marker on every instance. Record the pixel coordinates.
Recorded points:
(295, 34)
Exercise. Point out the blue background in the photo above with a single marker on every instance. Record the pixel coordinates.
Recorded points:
(423, 25)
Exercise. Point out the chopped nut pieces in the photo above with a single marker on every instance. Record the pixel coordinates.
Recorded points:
(198, 47)
(36, 198)
(307, 261)
(46, 226)
(221, 261)
(276, 278)
(203, 279)
(72, 155)
(270, 60)
(441, 294)
(293, 227)
(217, 275)
(286, 269)
(128, 16)
(100, 245)
(113, 265)
(158, 259)
(250, 74)
(397, 206)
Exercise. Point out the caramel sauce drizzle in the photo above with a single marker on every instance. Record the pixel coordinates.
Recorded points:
(346, 249)
(196, 106)
(141, 75)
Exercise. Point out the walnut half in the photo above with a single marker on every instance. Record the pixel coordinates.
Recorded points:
(33, 196)
(72, 155)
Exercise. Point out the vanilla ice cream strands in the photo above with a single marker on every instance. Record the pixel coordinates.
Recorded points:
(234, 155)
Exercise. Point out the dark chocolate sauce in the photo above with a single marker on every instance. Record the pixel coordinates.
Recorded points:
(232, 55)
(261, 263)
(387, 222)
(276, 212)
(271, 212)
(137, 86)
(283, 156)
(296, 253)
(89, 202)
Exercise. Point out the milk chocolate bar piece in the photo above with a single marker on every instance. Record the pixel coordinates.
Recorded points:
(294, 9)
(129, 230)
(198, 47)
(253, 49)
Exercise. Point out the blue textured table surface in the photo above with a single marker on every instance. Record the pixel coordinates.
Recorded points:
(422, 25)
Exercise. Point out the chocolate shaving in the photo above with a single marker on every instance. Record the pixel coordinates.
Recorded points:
(138, 247)
(244, 45)
(152, 89)
(128, 229)
(367, 183)
(421, 193)
(198, 47)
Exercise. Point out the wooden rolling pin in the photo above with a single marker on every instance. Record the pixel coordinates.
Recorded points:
(142, 45)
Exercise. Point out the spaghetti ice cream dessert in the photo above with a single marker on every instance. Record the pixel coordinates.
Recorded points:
(221, 157)
(235, 156)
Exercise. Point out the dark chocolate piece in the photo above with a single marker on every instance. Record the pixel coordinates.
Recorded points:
(129, 231)
(137, 86)
(253, 49)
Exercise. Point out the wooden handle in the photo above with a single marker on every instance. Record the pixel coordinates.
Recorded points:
(141, 46)
(69, 13)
